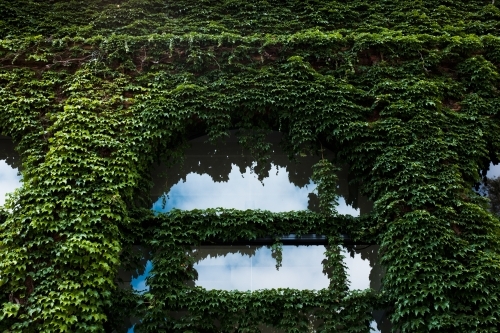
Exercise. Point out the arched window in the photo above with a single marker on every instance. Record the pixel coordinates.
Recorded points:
(226, 176)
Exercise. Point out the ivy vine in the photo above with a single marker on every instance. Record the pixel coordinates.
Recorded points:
(95, 92)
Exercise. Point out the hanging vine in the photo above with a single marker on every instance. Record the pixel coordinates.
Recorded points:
(93, 93)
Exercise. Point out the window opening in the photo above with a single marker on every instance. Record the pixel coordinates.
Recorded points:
(224, 176)
(10, 178)
(249, 268)
(489, 186)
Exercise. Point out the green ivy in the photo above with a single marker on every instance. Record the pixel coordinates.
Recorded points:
(95, 92)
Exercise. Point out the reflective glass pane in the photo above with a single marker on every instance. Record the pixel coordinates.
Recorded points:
(241, 191)
(226, 176)
(248, 268)
(494, 171)
(9, 173)
(490, 187)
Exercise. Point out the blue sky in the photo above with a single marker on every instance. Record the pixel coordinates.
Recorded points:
(243, 191)
(9, 180)
(302, 268)
(274, 193)
(494, 171)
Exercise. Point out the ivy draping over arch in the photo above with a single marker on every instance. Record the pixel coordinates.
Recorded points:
(406, 93)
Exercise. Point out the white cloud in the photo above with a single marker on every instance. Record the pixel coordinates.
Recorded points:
(9, 180)
(301, 269)
(243, 191)
(494, 171)
(346, 209)
(302, 266)
(358, 271)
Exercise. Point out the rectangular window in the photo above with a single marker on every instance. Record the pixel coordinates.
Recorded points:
(248, 268)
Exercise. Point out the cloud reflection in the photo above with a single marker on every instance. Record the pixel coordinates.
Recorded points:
(493, 171)
(301, 269)
(9, 180)
(302, 266)
(243, 191)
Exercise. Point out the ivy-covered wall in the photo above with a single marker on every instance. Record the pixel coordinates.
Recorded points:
(94, 92)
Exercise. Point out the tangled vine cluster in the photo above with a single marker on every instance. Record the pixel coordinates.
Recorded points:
(94, 92)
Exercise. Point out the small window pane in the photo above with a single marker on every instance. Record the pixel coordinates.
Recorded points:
(249, 268)
(9, 173)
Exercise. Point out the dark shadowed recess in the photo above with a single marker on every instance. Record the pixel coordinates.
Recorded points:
(8, 152)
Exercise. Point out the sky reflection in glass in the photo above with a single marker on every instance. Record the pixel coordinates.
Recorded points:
(494, 171)
(224, 177)
(244, 191)
(9, 163)
(9, 180)
(301, 269)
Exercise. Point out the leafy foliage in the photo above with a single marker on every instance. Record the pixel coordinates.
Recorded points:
(174, 233)
(94, 92)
